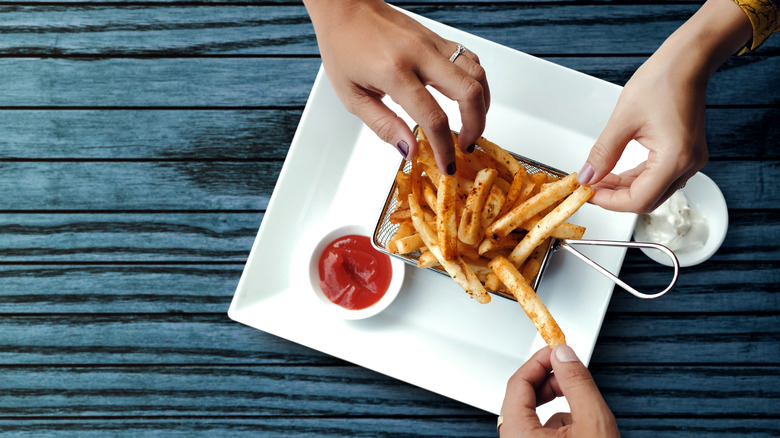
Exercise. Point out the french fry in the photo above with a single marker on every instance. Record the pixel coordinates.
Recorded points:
(446, 219)
(459, 271)
(532, 266)
(405, 229)
(469, 230)
(530, 302)
(510, 221)
(544, 227)
(515, 190)
(493, 205)
(427, 260)
(562, 231)
(409, 244)
(500, 155)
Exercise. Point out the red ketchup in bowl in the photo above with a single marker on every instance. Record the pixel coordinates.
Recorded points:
(353, 274)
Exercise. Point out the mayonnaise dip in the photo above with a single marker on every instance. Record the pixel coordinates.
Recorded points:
(674, 224)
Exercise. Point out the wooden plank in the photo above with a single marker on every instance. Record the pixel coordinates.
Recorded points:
(700, 390)
(266, 134)
(249, 29)
(129, 237)
(171, 186)
(163, 288)
(175, 338)
(129, 288)
(283, 81)
(226, 237)
(689, 337)
(263, 391)
(301, 426)
(228, 135)
(161, 186)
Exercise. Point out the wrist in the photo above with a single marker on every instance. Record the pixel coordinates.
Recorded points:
(715, 32)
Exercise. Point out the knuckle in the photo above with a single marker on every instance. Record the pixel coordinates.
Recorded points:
(477, 72)
(436, 120)
(472, 90)
(383, 128)
(599, 153)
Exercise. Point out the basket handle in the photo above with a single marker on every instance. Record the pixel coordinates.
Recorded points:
(567, 245)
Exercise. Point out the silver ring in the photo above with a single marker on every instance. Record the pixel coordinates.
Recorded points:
(458, 51)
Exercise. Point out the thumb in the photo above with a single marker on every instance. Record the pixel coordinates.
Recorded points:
(607, 150)
(578, 387)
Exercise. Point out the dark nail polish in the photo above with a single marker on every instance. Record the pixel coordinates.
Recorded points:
(403, 148)
(470, 149)
(451, 169)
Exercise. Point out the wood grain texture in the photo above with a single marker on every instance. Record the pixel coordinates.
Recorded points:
(265, 134)
(532, 27)
(141, 143)
(171, 186)
(263, 82)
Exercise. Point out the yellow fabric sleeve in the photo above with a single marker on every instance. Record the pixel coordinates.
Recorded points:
(764, 16)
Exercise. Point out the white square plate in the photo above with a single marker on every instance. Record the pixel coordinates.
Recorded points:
(338, 172)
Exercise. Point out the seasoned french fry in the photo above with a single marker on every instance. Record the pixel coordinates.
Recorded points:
(500, 155)
(531, 303)
(532, 266)
(493, 205)
(404, 229)
(544, 227)
(408, 244)
(510, 221)
(427, 260)
(562, 231)
(471, 219)
(515, 190)
(446, 219)
(457, 269)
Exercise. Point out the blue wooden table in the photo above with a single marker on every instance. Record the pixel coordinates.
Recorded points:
(141, 141)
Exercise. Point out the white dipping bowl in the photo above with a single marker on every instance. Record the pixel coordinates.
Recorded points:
(396, 281)
(705, 197)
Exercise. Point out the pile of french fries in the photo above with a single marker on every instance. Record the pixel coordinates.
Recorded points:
(488, 226)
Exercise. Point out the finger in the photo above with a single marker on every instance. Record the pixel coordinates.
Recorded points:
(644, 192)
(386, 124)
(469, 62)
(606, 152)
(519, 407)
(558, 420)
(677, 185)
(462, 81)
(421, 106)
(577, 385)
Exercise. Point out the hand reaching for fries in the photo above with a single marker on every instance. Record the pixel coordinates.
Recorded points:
(662, 107)
(370, 49)
(547, 375)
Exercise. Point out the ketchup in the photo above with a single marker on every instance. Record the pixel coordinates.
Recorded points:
(352, 273)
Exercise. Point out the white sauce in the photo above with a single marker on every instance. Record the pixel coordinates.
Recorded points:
(675, 225)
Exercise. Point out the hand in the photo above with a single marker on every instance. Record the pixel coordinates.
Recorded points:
(370, 49)
(547, 375)
(662, 107)
(664, 111)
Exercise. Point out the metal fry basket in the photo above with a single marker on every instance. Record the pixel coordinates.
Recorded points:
(385, 230)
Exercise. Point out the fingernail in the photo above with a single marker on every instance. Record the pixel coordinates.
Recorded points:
(403, 148)
(564, 353)
(586, 174)
(470, 149)
(451, 169)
